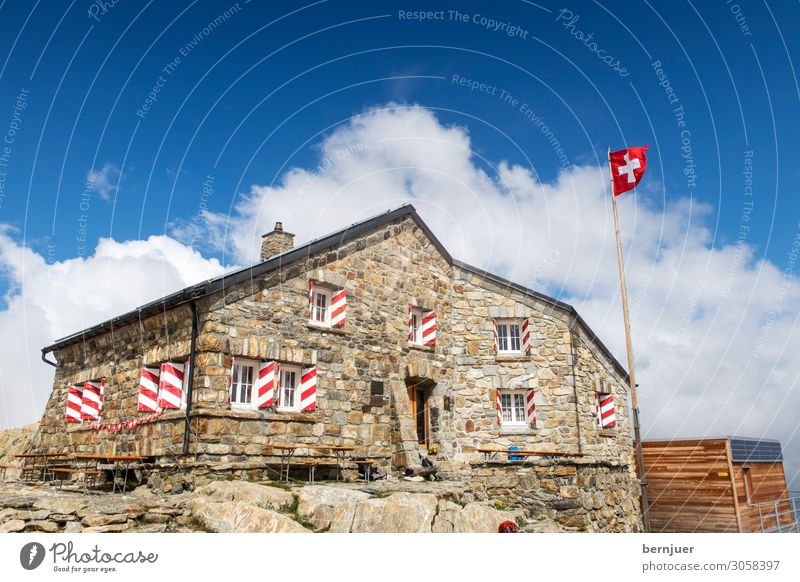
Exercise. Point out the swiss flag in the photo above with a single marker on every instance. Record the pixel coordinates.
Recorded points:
(627, 168)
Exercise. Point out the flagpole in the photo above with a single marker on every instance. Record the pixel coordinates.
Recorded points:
(637, 439)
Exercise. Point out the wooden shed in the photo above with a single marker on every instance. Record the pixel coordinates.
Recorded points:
(725, 484)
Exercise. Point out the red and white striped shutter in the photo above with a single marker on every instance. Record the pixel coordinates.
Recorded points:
(308, 390)
(499, 404)
(608, 417)
(339, 308)
(74, 403)
(494, 336)
(311, 300)
(410, 324)
(170, 388)
(91, 401)
(530, 407)
(429, 328)
(526, 336)
(265, 386)
(148, 390)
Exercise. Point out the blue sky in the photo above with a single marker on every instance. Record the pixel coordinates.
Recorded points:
(168, 136)
(244, 103)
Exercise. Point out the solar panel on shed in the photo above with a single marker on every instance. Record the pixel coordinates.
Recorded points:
(755, 451)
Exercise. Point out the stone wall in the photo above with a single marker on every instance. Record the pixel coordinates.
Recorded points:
(384, 271)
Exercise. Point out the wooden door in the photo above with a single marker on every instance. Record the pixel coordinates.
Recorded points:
(418, 395)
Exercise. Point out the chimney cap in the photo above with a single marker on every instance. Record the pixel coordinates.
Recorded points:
(278, 226)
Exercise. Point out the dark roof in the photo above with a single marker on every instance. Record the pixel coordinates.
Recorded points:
(743, 449)
(333, 240)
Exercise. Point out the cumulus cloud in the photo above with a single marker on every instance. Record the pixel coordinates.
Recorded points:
(713, 325)
(103, 181)
(50, 300)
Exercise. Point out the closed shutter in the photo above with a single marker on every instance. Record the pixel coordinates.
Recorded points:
(91, 401)
(308, 390)
(148, 390)
(265, 387)
(339, 308)
(494, 336)
(429, 328)
(526, 336)
(74, 403)
(170, 388)
(606, 413)
(530, 408)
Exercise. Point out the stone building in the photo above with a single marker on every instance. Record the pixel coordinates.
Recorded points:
(373, 337)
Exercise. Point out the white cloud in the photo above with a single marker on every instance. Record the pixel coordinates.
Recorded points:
(48, 301)
(712, 360)
(103, 181)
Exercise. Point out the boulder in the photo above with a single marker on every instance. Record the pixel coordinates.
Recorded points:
(73, 527)
(60, 504)
(236, 517)
(41, 525)
(246, 492)
(473, 518)
(329, 508)
(397, 513)
(104, 519)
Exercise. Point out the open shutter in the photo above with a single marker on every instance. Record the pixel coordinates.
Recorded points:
(148, 390)
(494, 336)
(526, 336)
(606, 415)
(429, 328)
(265, 386)
(339, 308)
(91, 401)
(499, 405)
(311, 301)
(308, 390)
(170, 388)
(410, 324)
(530, 408)
(74, 403)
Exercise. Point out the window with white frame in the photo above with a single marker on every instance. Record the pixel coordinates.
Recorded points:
(415, 326)
(243, 379)
(289, 387)
(512, 405)
(509, 339)
(321, 305)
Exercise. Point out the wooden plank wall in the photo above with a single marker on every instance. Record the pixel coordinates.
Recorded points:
(769, 485)
(689, 486)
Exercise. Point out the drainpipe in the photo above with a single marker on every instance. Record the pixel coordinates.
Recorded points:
(46, 361)
(572, 332)
(190, 384)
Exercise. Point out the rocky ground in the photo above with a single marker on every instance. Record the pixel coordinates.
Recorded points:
(244, 506)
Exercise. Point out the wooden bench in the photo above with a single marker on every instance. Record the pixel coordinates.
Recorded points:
(67, 472)
(3, 468)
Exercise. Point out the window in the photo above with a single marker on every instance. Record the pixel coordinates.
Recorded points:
(415, 325)
(320, 306)
(242, 380)
(512, 406)
(508, 336)
(289, 388)
(748, 484)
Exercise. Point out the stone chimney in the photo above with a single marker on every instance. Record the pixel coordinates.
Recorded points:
(276, 242)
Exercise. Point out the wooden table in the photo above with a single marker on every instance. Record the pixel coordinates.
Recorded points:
(492, 453)
(288, 451)
(29, 460)
(120, 464)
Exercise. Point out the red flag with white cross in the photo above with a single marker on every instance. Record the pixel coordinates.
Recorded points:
(627, 168)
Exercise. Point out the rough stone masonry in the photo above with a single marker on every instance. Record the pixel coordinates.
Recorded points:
(393, 399)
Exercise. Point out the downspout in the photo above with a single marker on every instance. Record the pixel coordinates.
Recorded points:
(46, 361)
(190, 384)
(572, 332)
